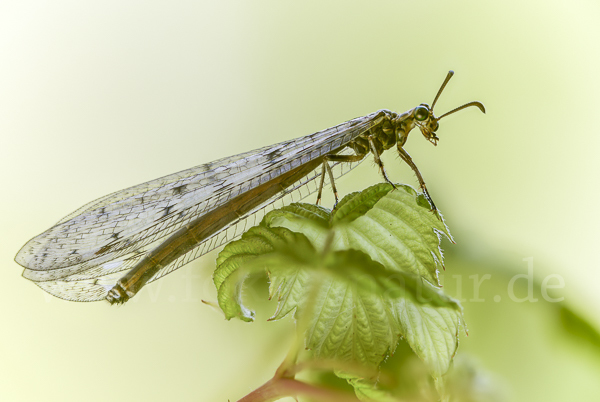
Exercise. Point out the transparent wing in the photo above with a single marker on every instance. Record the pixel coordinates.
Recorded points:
(80, 258)
(93, 284)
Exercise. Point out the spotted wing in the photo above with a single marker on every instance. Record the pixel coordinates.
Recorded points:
(83, 255)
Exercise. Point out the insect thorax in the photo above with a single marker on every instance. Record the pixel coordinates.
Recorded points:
(392, 129)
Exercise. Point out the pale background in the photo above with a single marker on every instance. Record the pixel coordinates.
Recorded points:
(98, 96)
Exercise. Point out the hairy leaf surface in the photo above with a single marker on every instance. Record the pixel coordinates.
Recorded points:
(357, 278)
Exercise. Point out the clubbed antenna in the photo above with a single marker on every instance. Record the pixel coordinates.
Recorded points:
(474, 103)
(450, 74)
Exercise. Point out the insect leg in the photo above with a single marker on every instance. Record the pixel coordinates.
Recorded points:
(325, 164)
(406, 158)
(378, 160)
(326, 167)
(335, 193)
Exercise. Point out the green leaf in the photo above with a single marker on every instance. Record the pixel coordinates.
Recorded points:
(342, 305)
(368, 391)
(258, 240)
(396, 230)
(354, 277)
(431, 331)
(354, 205)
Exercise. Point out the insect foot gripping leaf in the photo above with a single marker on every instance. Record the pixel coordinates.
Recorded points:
(358, 278)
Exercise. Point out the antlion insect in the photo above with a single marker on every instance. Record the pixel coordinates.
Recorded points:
(152, 229)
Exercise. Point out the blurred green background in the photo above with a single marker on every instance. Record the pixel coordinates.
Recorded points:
(99, 96)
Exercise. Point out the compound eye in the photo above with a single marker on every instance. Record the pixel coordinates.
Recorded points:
(421, 113)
